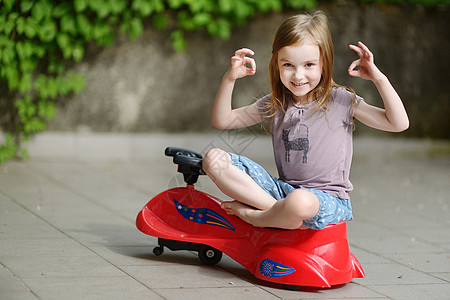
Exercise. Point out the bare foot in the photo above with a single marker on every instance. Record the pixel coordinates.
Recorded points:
(238, 209)
(247, 213)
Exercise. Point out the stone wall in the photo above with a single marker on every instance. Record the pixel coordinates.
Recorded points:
(144, 86)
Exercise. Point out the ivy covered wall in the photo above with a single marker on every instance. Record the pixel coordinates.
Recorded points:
(154, 65)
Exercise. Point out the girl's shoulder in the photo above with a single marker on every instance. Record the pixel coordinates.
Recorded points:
(264, 104)
(343, 95)
(341, 92)
(264, 99)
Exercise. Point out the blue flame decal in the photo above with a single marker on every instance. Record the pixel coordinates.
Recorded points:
(203, 216)
(270, 268)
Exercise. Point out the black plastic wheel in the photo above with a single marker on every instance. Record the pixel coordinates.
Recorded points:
(209, 255)
(158, 250)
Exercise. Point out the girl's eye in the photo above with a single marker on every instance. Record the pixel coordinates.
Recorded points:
(309, 65)
(288, 65)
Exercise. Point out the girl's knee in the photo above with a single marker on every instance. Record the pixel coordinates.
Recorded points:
(303, 204)
(215, 160)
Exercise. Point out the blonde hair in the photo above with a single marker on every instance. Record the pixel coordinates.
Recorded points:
(294, 30)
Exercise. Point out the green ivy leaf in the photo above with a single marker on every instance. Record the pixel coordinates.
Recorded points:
(52, 87)
(25, 82)
(63, 41)
(144, 7)
(28, 65)
(302, 4)
(47, 31)
(24, 49)
(5, 42)
(226, 6)
(267, 5)
(61, 10)
(80, 5)
(84, 26)
(9, 149)
(178, 41)
(30, 28)
(202, 19)
(158, 5)
(25, 6)
(2, 22)
(76, 81)
(25, 108)
(41, 10)
(118, 6)
(8, 55)
(196, 6)
(43, 84)
(160, 21)
(243, 11)
(34, 124)
(39, 83)
(8, 4)
(136, 28)
(20, 25)
(100, 31)
(175, 4)
(8, 26)
(67, 24)
(185, 21)
(46, 109)
(101, 7)
(220, 28)
(39, 50)
(11, 72)
(78, 52)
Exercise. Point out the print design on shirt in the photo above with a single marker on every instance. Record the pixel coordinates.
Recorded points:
(300, 142)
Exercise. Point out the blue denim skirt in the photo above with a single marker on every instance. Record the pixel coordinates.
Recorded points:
(332, 209)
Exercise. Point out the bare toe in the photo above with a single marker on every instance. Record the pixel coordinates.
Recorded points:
(227, 208)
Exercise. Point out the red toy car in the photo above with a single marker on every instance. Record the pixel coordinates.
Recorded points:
(188, 219)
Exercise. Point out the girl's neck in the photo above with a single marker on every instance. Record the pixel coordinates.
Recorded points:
(303, 101)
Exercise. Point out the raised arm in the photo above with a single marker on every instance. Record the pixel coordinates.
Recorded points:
(223, 116)
(393, 117)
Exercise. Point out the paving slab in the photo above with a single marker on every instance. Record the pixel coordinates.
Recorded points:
(12, 288)
(89, 288)
(348, 291)
(414, 292)
(67, 221)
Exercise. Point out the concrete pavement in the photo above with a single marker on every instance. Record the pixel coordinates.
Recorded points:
(67, 218)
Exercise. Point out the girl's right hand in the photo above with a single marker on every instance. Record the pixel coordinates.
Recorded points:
(242, 65)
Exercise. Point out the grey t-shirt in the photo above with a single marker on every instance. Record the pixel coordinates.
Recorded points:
(314, 149)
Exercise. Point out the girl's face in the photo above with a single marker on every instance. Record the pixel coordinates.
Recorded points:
(300, 69)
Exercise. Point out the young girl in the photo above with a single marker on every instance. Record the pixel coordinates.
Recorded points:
(311, 122)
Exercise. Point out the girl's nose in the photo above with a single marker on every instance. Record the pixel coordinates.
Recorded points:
(298, 74)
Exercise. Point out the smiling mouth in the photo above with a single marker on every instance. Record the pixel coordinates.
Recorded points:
(298, 84)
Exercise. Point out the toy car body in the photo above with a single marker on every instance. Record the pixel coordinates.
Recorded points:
(185, 218)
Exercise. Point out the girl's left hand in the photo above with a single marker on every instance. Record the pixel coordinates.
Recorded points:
(367, 69)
